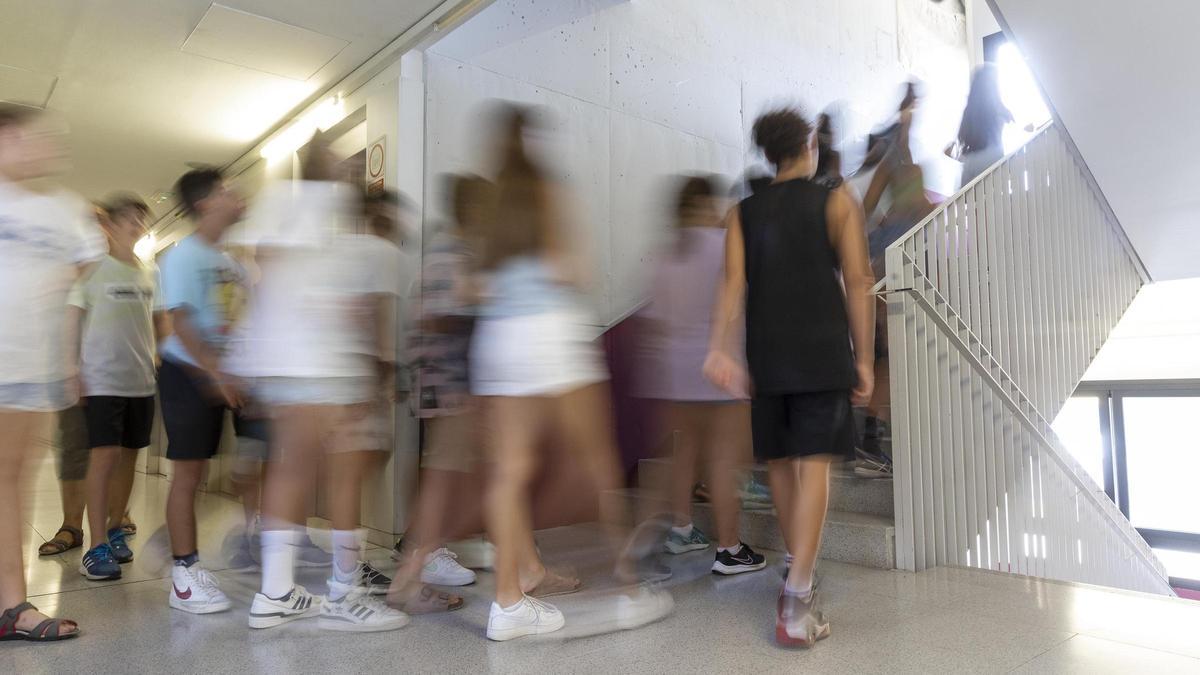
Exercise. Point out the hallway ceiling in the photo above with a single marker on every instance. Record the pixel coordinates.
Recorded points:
(1122, 77)
(148, 86)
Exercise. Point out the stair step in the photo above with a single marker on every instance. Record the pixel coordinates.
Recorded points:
(847, 492)
(855, 538)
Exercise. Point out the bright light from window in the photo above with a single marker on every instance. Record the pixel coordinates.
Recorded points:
(1160, 451)
(1021, 95)
(1180, 564)
(144, 248)
(1078, 427)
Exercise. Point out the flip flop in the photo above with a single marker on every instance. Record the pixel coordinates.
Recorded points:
(58, 545)
(428, 600)
(49, 630)
(555, 584)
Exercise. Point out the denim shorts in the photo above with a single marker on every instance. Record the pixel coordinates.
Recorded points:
(36, 397)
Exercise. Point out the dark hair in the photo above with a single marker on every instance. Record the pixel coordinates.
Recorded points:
(196, 185)
(691, 190)
(13, 115)
(829, 161)
(984, 117)
(783, 134)
(121, 203)
(462, 191)
(522, 223)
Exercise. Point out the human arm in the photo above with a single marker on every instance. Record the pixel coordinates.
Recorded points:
(720, 366)
(849, 241)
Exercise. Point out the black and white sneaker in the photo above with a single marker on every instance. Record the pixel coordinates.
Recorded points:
(371, 579)
(743, 560)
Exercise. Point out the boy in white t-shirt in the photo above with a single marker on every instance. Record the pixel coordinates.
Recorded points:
(118, 316)
(47, 239)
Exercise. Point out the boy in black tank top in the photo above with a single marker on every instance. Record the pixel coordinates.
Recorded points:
(796, 265)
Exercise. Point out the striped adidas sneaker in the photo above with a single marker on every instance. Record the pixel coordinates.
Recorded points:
(355, 610)
(270, 612)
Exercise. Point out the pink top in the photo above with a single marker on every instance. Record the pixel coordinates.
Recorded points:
(680, 314)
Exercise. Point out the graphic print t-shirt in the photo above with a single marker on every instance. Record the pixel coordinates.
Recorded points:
(117, 351)
(211, 285)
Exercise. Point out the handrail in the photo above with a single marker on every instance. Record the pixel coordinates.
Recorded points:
(941, 208)
(1057, 453)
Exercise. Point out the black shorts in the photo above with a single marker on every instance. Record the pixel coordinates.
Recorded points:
(118, 421)
(788, 426)
(193, 414)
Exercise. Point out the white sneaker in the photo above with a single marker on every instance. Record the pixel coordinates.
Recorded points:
(476, 553)
(358, 612)
(531, 617)
(645, 606)
(297, 604)
(194, 589)
(442, 569)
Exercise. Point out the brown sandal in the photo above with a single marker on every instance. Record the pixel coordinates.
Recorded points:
(49, 630)
(555, 583)
(428, 600)
(128, 526)
(59, 545)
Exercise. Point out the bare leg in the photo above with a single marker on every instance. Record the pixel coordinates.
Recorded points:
(247, 484)
(726, 449)
(809, 507)
(514, 425)
(296, 439)
(586, 418)
(784, 477)
(121, 487)
(684, 442)
(17, 443)
(74, 499)
(101, 469)
(181, 504)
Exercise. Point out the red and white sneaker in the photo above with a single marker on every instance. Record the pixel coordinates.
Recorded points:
(195, 590)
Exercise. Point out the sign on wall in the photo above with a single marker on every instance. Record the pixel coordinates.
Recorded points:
(376, 165)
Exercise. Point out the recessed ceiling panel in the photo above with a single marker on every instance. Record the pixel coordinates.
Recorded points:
(26, 87)
(263, 44)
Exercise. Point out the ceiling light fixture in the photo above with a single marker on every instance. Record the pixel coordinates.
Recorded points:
(324, 116)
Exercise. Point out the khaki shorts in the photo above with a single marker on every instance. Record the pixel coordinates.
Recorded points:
(342, 428)
(452, 442)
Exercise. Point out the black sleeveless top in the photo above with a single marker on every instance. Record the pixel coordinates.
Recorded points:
(797, 333)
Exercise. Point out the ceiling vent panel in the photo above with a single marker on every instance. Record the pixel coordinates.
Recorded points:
(262, 44)
(26, 87)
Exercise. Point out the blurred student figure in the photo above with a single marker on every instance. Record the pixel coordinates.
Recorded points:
(704, 421)
(796, 266)
(829, 159)
(72, 464)
(537, 368)
(320, 298)
(203, 290)
(116, 322)
(448, 503)
(48, 240)
(898, 182)
(980, 141)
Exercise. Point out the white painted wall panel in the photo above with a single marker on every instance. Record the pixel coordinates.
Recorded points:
(644, 89)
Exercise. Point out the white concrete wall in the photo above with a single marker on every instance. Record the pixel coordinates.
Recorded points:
(640, 90)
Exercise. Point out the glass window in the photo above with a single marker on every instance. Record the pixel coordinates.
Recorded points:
(1078, 427)
(1180, 564)
(1160, 455)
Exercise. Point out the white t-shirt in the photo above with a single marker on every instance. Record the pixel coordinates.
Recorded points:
(44, 237)
(316, 286)
(117, 351)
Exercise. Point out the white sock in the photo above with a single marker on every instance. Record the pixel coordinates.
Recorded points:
(730, 549)
(278, 562)
(513, 608)
(804, 588)
(685, 531)
(347, 549)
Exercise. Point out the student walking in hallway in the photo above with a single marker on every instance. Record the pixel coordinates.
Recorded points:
(796, 266)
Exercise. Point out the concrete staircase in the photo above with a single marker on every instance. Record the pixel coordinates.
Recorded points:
(860, 528)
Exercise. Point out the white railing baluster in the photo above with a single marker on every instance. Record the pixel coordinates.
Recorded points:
(996, 305)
